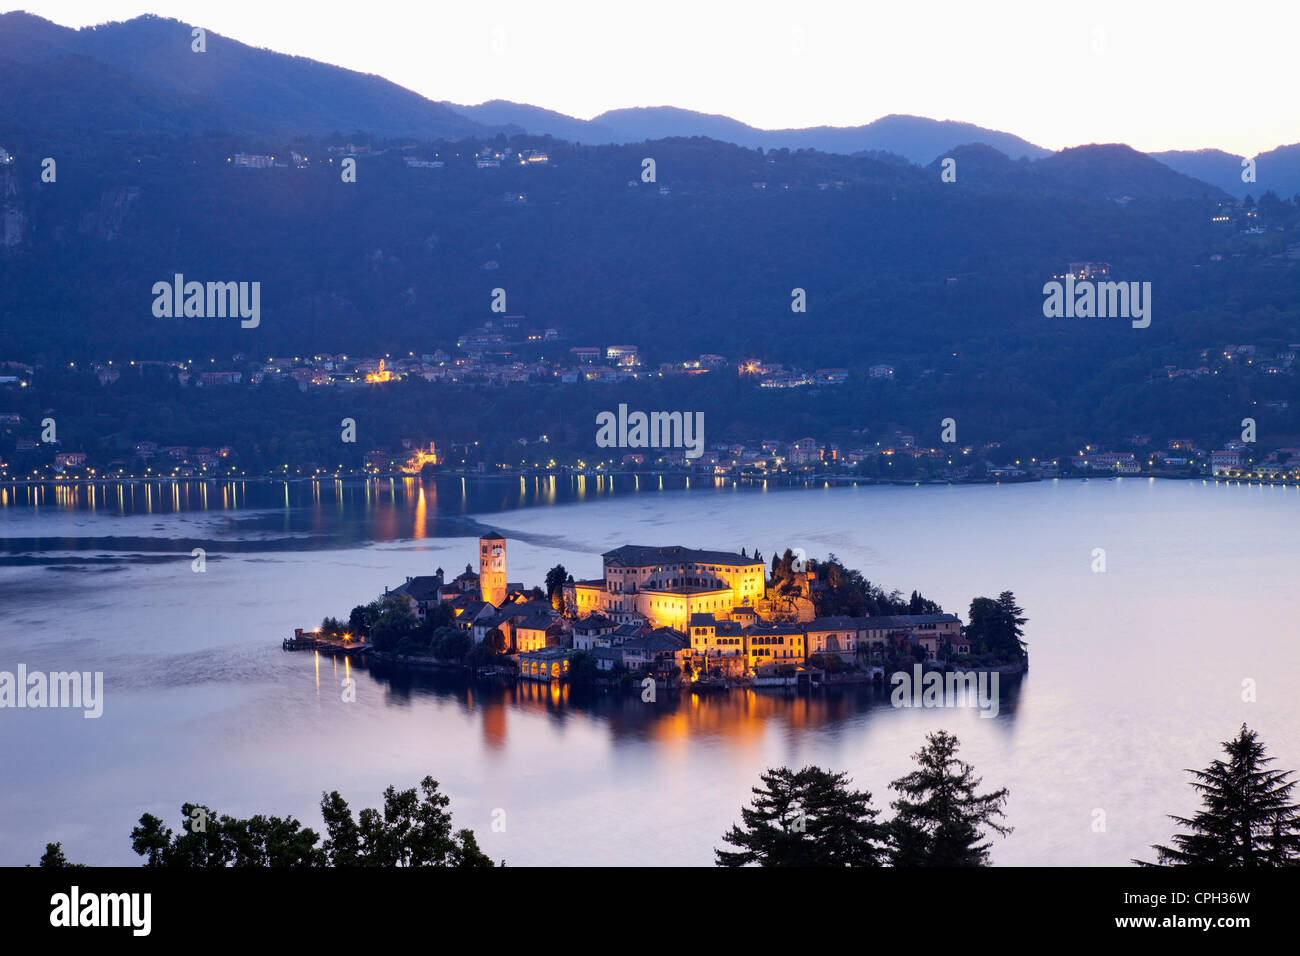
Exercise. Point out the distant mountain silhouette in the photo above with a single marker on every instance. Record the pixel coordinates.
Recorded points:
(1115, 170)
(915, 138)
(1111, 171)
(1208, 165)
(536, 120)
(142, 74)
(986, 167)
(641, 123)
(1277, 170)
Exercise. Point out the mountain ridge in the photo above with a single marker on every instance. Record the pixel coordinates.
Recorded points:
(141, 75)
(231, 86)
(916, 138)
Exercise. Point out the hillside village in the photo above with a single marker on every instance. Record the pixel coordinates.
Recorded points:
(488, 364)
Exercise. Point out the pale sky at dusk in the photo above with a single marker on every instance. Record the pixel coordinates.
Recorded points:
(1155, 75)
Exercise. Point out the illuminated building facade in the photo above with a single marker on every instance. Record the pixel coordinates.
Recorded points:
(492, 568)
(667, 585)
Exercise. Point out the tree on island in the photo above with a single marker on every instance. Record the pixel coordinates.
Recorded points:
(783, 570)
(939, 819)
(390, 619)
(831, 663)
(436, 618)
(1247, 817)
(555, 579)
(806, 818)
(495, 641)
(583, 670)
(996, 627)
(839, 590)
(918, 604)
(491, 651)
(358, 626)
(450, 643)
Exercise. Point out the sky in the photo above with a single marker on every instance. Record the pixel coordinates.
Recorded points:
(1150, 73)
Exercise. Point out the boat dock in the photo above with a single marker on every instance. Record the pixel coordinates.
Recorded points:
(314, 640)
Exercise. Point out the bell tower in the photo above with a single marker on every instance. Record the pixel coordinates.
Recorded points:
(492, 568)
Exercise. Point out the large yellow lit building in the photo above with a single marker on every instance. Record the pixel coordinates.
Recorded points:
(667, 585)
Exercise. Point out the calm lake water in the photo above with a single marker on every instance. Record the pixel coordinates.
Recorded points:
(1136, 672)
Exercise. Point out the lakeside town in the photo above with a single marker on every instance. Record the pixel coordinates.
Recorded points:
(30, 452)
(898, 458)
(677, 615)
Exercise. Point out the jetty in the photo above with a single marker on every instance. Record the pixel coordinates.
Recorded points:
(314, 640)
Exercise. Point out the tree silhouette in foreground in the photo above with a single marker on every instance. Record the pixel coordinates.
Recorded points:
(412, 829)
(207, 839)
(409, 831)
(805, 818)
(939, 819)
(1246, 819)
(54, 859)
(812, 818)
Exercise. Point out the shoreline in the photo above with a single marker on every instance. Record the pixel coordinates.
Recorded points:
(781, 479)
(422, 663)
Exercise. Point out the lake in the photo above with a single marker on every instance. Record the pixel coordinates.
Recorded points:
(1136, 673)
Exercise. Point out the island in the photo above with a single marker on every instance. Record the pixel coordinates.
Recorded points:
(680, 617)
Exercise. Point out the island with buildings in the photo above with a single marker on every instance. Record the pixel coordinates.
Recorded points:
(682, 616)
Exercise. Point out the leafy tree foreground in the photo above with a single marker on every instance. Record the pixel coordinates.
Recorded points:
(412, 829)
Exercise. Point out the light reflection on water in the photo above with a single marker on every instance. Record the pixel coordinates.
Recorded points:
(1136, 673)
(306, 513)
